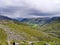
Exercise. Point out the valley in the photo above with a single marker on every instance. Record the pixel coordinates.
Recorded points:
(29, 31)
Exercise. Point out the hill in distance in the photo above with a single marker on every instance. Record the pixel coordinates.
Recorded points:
(38, 21)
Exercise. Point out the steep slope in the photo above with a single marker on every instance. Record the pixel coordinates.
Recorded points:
(27, 32)
(20, 31)
(52, 28)
(48, 25)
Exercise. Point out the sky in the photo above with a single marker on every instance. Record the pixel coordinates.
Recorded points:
(30, 8)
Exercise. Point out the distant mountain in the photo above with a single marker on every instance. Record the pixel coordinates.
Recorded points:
(39, 21)
(5, 18)
(55, 18)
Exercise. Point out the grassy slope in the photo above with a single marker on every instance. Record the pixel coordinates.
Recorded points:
(33, 34)
(29, 33)
(52, 28)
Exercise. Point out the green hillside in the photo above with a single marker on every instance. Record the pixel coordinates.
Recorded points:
(27, 33)
(52, 29)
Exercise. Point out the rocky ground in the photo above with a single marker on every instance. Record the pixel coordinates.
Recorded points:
(11, 34)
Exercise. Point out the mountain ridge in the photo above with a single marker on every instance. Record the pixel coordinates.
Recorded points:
(40, 21)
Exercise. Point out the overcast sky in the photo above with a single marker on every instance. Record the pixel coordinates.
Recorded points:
(29, 8)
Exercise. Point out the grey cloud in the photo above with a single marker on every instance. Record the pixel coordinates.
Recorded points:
(13, 11)
(30, 8)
